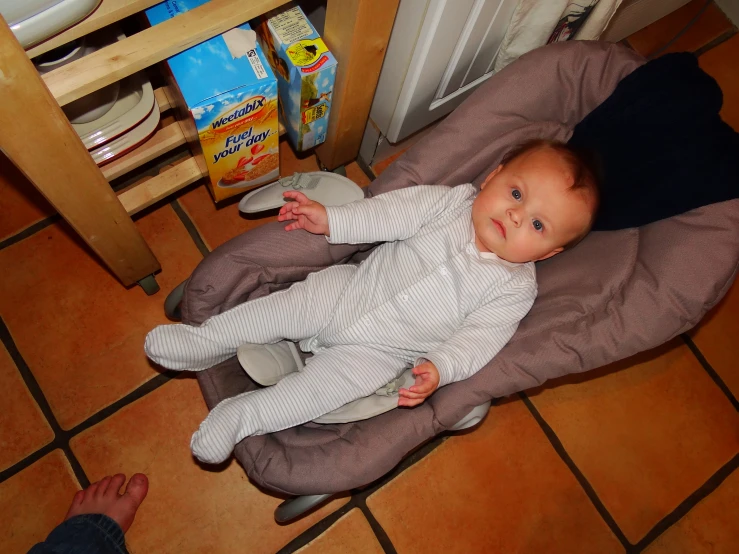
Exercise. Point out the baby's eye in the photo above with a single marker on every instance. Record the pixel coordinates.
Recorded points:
(538, 225)
(516, 194)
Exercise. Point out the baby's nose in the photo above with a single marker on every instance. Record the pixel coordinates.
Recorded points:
(514, 217)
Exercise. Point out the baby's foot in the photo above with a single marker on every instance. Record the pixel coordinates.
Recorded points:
(223, 429)
(103, 498)
(183, 347)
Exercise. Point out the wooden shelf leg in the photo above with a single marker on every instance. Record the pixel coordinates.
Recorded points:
(357, 33)
(38, 139)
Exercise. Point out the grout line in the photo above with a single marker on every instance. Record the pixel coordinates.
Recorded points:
(587, 487)
(149, 386)
(28, 460)
(366, 169)
(29, 231)
(711, 372)
(625, 42)
(61, 438)
(714, 43)
(686, 505)
(29, 379)
(191, 227)
(380, 533)
(79, 472)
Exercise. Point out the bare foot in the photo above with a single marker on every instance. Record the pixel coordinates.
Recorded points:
(103, 498)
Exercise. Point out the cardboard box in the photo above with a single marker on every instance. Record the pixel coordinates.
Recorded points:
(226, 96)
(306, 72)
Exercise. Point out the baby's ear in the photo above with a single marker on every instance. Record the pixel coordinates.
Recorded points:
(552, 253)
(490, 176)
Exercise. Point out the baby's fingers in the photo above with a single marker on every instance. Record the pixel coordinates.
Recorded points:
(288, 212)
(409, 402)
(299, 197)
(424, 387)
(293, 226)
(409, 393)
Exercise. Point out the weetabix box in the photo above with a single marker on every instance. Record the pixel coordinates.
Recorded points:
(226, 97)
(306, 72)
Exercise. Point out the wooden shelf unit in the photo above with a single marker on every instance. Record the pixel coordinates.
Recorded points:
(34, 126)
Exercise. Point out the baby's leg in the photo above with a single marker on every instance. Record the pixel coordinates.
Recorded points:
(331, 378)
(296, 313)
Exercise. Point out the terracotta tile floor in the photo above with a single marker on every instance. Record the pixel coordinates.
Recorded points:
(639, 456)
(351, 534)
(21, 205)
(711, 25)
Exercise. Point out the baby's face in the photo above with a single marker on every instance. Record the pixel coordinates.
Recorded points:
(525, 211)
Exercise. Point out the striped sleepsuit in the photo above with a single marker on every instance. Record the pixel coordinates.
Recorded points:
(426, 294)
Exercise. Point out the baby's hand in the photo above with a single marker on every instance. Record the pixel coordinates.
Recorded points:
(308, 215)
(427, 380)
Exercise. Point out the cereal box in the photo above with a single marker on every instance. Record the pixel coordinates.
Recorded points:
(306, 72)
(226, 96)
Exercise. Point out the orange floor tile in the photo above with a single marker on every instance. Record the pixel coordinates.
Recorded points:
(711, 25)
(721, 64)
(716, 338)
(189, 508)
(77, 328)
(24, 427)
(34, 501)
(501, 488)
(646, 432)
(381, 166)
(351, 534)
(216, 225)
(21, 205)
(712, 527)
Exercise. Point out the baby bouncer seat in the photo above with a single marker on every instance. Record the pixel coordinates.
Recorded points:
(614, 295)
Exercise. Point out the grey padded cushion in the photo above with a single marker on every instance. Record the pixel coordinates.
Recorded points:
(615, 294)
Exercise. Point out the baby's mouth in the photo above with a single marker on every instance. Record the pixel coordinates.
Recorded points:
(500, 227)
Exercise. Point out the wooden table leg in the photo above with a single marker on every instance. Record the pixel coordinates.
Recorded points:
(357, 32)
(39, 140)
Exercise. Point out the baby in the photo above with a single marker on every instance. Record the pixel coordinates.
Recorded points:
(444, 293)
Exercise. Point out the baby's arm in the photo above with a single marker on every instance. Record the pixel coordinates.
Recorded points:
(484, 332)
(395, 215)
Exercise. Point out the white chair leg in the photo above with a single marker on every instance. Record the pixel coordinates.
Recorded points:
(476, 415)
(294, 507)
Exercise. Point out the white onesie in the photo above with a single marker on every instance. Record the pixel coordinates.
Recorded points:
(426, 294)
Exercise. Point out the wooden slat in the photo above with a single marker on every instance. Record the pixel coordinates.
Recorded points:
(125, 57)
(109, 11)
(163, 141)
(162, 98)
(39, 140)
(357, 33)
(145, 194)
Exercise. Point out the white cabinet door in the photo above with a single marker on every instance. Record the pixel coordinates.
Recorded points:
(447, 48)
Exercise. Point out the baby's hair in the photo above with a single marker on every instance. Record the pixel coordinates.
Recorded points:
(583, 164)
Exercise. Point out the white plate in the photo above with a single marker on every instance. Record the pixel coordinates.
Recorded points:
(129, 140)
(36, 20)
(135, 101)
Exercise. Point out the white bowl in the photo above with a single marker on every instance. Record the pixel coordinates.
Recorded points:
(96, 104)
(60, 56)
(93, 106)
(35, 20)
